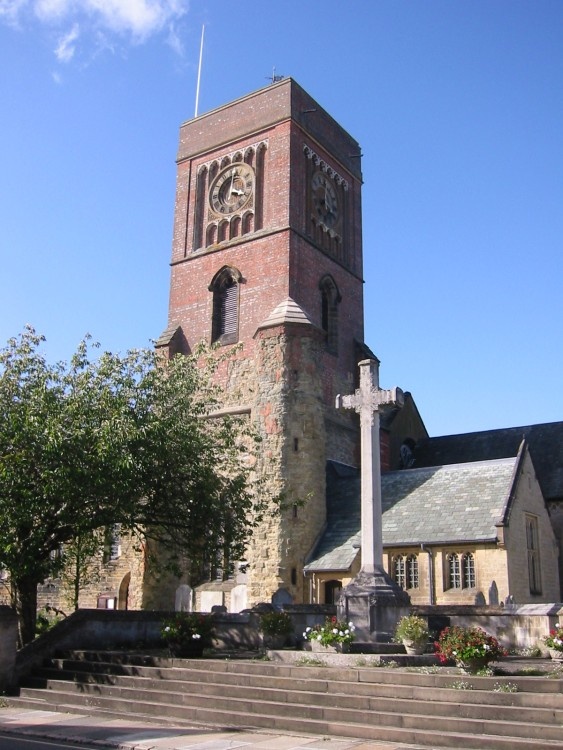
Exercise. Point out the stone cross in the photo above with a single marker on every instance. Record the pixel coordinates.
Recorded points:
(368, 400)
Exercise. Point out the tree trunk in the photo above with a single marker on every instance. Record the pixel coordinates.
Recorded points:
(26, 607)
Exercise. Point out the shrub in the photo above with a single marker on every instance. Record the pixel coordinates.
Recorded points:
(276, 623)
(184, 627)
(412, 628)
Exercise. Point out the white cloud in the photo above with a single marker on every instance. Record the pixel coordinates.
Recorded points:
(52, 10)
(66, 47)
(10, 10)
(137, 19)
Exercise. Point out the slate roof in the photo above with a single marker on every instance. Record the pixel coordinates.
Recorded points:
(545, 443)
(435, 505)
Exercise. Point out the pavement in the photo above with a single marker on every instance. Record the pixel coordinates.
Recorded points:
(98, 731)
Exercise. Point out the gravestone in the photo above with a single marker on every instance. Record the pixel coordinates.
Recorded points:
(184, 598)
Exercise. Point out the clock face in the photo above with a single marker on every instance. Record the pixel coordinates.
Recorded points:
(325, 201)
(232, 188)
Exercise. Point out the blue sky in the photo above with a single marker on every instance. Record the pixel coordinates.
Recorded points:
(458, 107)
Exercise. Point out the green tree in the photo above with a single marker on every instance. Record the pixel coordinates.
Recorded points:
(127, 440)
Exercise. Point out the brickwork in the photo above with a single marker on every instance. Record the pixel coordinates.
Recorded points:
(285, 375)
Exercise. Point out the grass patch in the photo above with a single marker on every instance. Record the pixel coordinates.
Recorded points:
(505, 687)
(461, 685)
(310, 661)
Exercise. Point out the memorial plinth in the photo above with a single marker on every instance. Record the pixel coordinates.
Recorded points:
(372, 600)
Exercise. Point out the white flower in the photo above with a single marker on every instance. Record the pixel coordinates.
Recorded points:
(319, 637)
(335, 631)
(196, 636)
(346, 632)
(307, 629)
(167, 629)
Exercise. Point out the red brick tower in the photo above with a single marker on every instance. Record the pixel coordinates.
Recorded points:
(267, 252)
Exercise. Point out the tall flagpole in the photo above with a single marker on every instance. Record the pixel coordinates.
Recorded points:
(199, 71)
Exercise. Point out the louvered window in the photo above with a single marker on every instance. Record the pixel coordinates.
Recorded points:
(225, 307)
(330, 299)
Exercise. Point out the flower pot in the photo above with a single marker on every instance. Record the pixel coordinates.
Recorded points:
(555, 654)
(336, 648)
(472, 666)
(414, 648)
(188, 650)
(274, 642)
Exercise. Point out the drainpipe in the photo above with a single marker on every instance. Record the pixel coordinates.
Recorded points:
(426, 549)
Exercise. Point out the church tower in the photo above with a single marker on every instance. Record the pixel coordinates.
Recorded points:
(267, 254)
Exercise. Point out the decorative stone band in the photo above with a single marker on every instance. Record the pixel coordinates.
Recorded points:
(324, 167)
(234, 156)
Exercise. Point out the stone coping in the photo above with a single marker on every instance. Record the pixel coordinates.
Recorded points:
(354, 660)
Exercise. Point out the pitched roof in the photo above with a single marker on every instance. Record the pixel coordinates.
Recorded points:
(435, 505)
(545, 442)
(288, 311)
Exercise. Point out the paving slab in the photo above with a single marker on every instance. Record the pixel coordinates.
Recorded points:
(99, 732)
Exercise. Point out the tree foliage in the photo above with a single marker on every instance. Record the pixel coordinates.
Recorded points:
(126, 440)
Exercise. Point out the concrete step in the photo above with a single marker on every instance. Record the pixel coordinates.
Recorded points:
(366, 703)
(178, 668)
(520, 707)
(434, 738)
(376, 712)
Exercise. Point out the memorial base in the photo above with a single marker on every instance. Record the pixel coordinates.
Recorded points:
(375, 604)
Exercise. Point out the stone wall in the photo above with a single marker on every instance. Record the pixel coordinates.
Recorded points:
(516, 626)
(115, 584)
(529, 502)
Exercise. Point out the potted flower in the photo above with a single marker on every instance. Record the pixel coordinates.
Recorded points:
(554, 642)
(412, 631)
(187, 633)
(275, 626)
(332, 635)
(471, 648)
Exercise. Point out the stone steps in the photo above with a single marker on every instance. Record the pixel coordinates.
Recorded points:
(367, 703)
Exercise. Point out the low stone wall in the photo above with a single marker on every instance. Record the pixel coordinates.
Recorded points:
(134, 629)
(516, 626)
(8, 646)
(521, 626)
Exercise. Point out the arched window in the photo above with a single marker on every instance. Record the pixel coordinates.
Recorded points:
(330, 299)
(468, 570)
(412, 572)
(225, 288)
(454, 571)
(399, 571)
